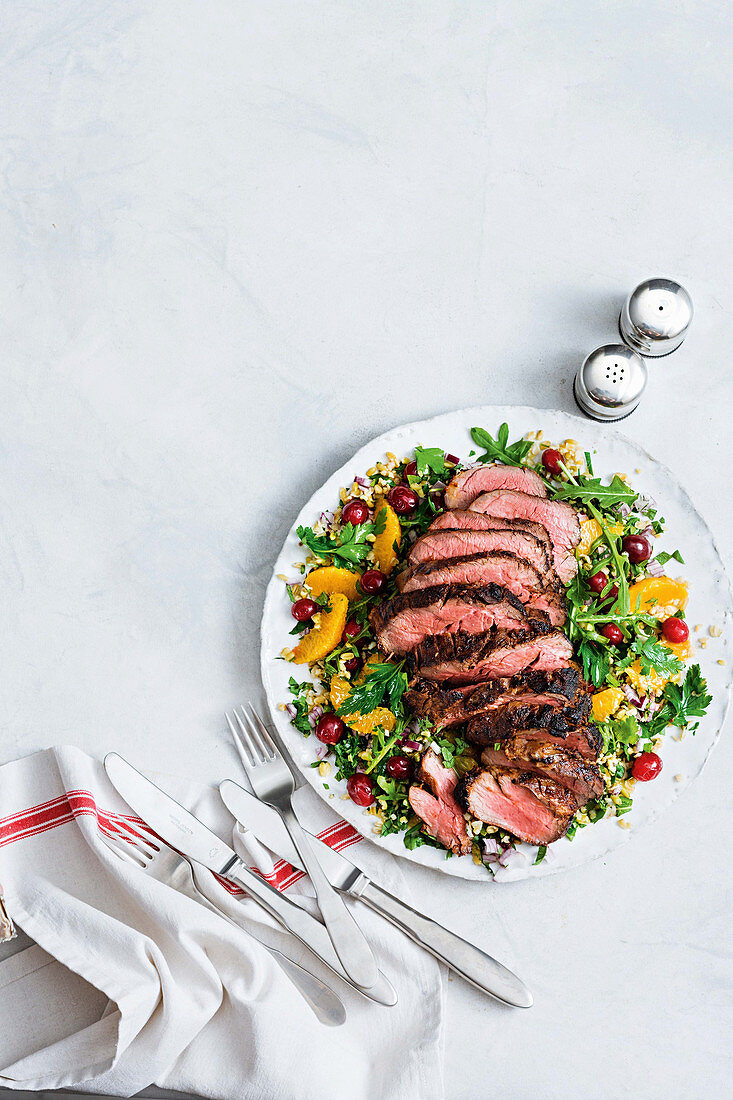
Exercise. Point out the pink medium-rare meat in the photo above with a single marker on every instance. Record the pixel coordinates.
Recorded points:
(531, 807)
(559, 518)
(469, 483)
(439, 545)
(517, 575)
(404, 621)
(471, 658)
(482, 521)
(581, 777)
(437, 807)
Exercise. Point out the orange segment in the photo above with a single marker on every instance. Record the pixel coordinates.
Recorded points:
(330, 579)
(319, 642)
(605, 703)
(681, 650)
(658, 594)
(650, 683)
(362, 723)
(388, 541)
(590, 530)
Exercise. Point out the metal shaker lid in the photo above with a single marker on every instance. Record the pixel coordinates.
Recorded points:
(610, 382)
(655, 317)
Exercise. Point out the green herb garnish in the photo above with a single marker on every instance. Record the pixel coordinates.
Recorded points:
(500, 449)
(382, 681)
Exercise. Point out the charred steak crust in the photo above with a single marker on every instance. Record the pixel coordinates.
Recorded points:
(507, 719)
(580, 776)
(469, 648)
(427, 699)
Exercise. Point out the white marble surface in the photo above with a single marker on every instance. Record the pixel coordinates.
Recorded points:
(240, 239)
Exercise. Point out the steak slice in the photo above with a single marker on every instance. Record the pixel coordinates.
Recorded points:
(439, 811)
(466, 658)
(449, 706)
(482, 521)
(438, 545)
(559, 518)
(515, 574)
(469, 483)
(404, 621)
(503, 721)
(544, 758)
(531, 807)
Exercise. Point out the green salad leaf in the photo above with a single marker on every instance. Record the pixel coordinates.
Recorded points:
(430, 458)
(593, 489)
(500, 449)
(350, 545)
(382, 682)
(655, 656)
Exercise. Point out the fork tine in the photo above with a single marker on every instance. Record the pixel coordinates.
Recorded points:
(264, 733)
(144, 847)
(265, 751)
(248, 740)
(240, 745)
(124, 851)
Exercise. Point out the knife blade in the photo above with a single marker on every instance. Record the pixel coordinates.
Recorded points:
(470, 962)
(184, 832)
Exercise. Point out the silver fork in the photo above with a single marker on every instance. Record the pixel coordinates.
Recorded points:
(169, 867)
(274, 777)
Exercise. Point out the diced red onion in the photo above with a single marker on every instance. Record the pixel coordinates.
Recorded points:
(655, 568)
(411, 746)
(290, 709)
(624, 511)
(492, 849)
(322, 751)
(362, 481)
(631, 695)
(327, 518)
(314, 715)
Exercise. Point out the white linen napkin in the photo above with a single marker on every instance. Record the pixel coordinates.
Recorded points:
(132, 983)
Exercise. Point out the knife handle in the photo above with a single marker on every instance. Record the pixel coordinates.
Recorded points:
(470, 962)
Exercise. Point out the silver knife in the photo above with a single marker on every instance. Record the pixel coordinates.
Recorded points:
(192, 838)
(470, 962)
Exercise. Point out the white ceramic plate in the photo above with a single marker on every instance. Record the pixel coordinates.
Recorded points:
(710, 603)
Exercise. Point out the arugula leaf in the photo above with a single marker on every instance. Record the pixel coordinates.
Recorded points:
(382, 680)
(653, 655)
(587, 488)
(588, 463)
(664, 557)
(430, 458)
(350, 544)
(499, 449)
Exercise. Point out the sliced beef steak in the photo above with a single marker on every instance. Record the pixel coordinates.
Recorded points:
(531, 807)
(438, 545)
(466, 658)
(482, 521)
(519, 714)
(517, 575)
(449, 706)
(467, 484)
(406, 620)
(437, 807)
(544, 758)
(559, 518)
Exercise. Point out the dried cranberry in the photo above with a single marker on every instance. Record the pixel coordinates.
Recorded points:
(637, 548)
(330, 728)
(411, 469)
(452, 459)
(675, 630)
(372, 581)
(304, 610)
(403, 499)
(612, 632)
(646, 767)
(399, 767)
(360, 789)
(355, 511)
(597, 582)
(438, 499)
(551, 460)
(353, 664)
(352, 630)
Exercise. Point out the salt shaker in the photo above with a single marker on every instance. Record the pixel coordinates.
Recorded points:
(610, 382)
(655, 317)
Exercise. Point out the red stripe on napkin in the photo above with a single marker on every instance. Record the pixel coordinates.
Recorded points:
(64, 809)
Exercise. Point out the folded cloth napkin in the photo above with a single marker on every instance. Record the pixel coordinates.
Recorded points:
(131, 983)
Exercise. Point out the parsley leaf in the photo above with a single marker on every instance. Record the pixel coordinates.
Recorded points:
(688, 699)
(350, 544)
(451, 748)
(499, 449)
(596, 661)
(382, 680)
(587, 488)
(430, 458)
(653, 655)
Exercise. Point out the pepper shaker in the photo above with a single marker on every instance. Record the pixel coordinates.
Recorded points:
(655, 317)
